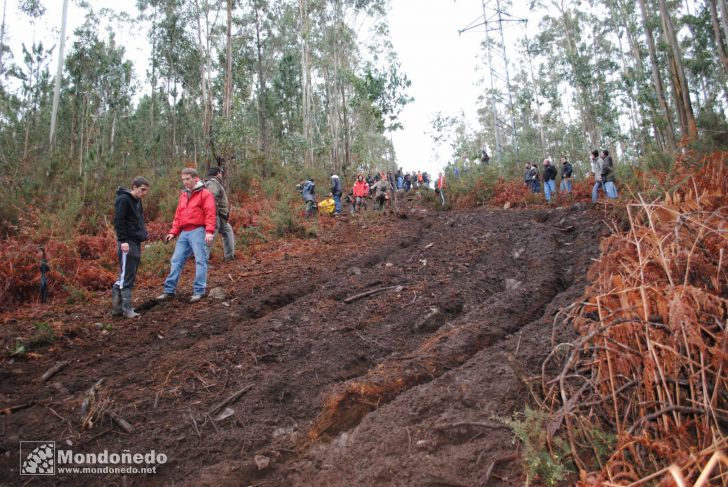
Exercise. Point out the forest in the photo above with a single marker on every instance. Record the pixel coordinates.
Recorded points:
(491, 340)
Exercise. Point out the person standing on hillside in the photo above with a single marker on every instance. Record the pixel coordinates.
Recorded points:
(337, 190)
(130, 233)
(440, 186)
(549, 179)
(382, 190)
(194, 228)
(307, 189)
(213, 184)
(527, 176)
(407, 181)
(566, 172)
(360, 191)
(608, 175)
(535, 179)
(596, 167)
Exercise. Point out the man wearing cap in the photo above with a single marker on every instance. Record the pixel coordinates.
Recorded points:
(213, 184)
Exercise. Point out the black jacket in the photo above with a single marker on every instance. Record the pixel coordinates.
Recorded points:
(608, 169)
(566, 170)
(549, 172)
(129, 218)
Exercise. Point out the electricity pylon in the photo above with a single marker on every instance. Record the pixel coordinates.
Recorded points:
(499, 82)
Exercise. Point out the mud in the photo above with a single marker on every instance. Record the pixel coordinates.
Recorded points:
(397, 388)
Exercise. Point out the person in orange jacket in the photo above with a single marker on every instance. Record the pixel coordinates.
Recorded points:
(360, 191)
(441, 187)
(194, 227)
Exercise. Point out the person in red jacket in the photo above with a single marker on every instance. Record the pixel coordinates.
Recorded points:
(360, 191)
(194, 227)
(441, 187)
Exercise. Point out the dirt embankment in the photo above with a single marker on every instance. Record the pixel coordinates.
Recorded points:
(397, 387)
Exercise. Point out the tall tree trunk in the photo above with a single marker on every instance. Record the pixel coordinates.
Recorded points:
(83, 135)
(262, 116)
(2, 39)
(113, 133)
(347, 135)
(723, 6)
(657, 78)
(718, 35)
(205, 78)
(59, 70)
(535, 89)
(586, 110)
(306, 85)
(679, 81)
(625, 70)
(153, 81)
(229, 64)
(333, 93)
(638, 67)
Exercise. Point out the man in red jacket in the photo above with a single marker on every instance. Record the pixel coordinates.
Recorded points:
(194, 227)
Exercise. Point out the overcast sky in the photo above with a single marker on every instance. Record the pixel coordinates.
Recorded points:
(442, 64)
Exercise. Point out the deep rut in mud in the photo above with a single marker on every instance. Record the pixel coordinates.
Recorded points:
(398, 387)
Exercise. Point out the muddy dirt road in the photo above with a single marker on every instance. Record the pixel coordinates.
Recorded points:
(398, 387)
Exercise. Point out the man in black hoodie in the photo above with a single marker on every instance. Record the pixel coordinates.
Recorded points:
(130, 233)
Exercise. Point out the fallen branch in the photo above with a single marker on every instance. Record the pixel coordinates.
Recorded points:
(480, 424)
(121, 422)
(254, 274)
(53, 370)
(491, 466)
(19, 407)
(231, 398)
(378, 290)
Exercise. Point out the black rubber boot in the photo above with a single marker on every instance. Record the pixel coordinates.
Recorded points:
(115, 301)
(126, 304)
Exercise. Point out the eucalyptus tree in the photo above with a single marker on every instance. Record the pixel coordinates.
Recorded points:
(99, 81)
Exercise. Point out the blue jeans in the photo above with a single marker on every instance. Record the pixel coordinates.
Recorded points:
(549, 188)
(611, 190)
(566, 185)
(595, 191)
(189, 243)
(535, 186)
(337, 203)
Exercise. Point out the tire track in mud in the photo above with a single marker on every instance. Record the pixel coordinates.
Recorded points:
(499, 315)
(442, 432)
(491, 273)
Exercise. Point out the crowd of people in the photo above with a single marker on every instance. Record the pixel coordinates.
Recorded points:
(602, 170)
(378, 188)
(202, 212)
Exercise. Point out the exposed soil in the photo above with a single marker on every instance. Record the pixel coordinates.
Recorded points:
(396, 388)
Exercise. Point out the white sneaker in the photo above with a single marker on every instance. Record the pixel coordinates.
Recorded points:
(195, 298)
(164, 297)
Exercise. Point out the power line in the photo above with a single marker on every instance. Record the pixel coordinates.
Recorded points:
(493, 19)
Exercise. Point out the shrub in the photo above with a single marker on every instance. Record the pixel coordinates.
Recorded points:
(538, 462)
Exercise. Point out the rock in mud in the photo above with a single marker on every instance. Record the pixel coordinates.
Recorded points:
(217, 293)
(262, 462)
(432, 320)
(513, 284)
